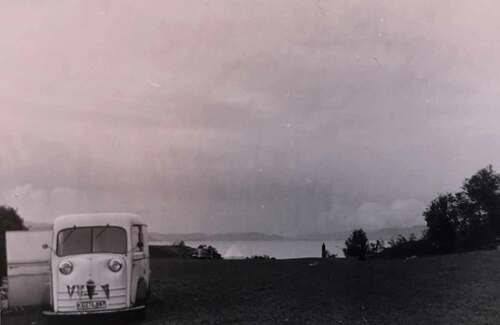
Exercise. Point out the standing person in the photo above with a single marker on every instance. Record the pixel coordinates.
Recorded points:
(323, 251)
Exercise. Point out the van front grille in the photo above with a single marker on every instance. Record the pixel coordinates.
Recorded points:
(66, 300)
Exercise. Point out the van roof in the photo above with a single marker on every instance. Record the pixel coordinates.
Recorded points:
(97, 219)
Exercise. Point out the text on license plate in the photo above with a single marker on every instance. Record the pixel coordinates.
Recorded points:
(90, 305)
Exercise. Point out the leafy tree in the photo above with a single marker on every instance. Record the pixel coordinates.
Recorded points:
(356, 245)
(442, 222)
(468, 219)
(402, 247)
(474, 227)
(483, 193)
(10, 219)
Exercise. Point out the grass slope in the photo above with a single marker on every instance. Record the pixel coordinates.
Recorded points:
(449, 289)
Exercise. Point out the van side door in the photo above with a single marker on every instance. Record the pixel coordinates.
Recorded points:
(140, 260)
(28, 267)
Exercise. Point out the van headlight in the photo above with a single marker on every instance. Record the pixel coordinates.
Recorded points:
(115, 265)
(66, 267)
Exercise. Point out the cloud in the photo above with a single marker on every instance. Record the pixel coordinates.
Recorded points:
(30, 202)
(238, 116)
(399, 213)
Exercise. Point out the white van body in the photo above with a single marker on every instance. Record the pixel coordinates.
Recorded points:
(99, 263)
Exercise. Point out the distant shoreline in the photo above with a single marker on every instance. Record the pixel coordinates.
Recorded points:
(373, 234)
(383, 234)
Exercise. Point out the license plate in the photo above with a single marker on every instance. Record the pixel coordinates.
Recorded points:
(90, 305)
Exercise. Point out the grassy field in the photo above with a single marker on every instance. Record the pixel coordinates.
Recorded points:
(449, 289)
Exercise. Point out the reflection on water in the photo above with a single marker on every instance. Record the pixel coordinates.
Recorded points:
(278, 249)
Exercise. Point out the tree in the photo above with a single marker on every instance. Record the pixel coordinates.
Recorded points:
(483, 192)
(9, 220)
(468, 219)
(356, 245)
(442, 222)
(474, 226)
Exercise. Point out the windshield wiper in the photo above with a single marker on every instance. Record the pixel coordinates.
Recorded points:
(69, 235)
(101, 232)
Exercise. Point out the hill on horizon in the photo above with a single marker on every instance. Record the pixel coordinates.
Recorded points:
(37, 226)
(373, 234)
(384, 233)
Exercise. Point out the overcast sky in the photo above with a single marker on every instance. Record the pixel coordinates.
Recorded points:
(274, 116)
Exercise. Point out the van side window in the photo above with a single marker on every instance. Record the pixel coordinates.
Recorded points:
(137, 236)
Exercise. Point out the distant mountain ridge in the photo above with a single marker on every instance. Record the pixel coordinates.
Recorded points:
(372, 234)
(384, 233)
(236, 236)
(388, 233)
(37, 226)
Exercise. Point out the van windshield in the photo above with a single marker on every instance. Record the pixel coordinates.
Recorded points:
(86, 240)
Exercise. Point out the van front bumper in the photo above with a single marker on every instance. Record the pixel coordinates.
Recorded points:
(93, 312)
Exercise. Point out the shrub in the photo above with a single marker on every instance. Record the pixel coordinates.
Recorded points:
(261, 257)
(356, 245)
(402, 247)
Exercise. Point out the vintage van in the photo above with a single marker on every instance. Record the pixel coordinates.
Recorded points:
(99, 263)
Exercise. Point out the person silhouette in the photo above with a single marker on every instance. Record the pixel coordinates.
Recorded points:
(323, 251)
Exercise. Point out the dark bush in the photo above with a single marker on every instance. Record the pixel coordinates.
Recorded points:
(356, 245)
(407, 248)
(261, 257)
(207, 252)
(171, 251)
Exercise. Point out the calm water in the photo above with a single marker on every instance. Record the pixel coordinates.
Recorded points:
(277, 249)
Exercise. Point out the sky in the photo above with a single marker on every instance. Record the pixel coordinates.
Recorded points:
(286, 117)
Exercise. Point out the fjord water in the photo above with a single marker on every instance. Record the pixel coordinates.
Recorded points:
(279, 249)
